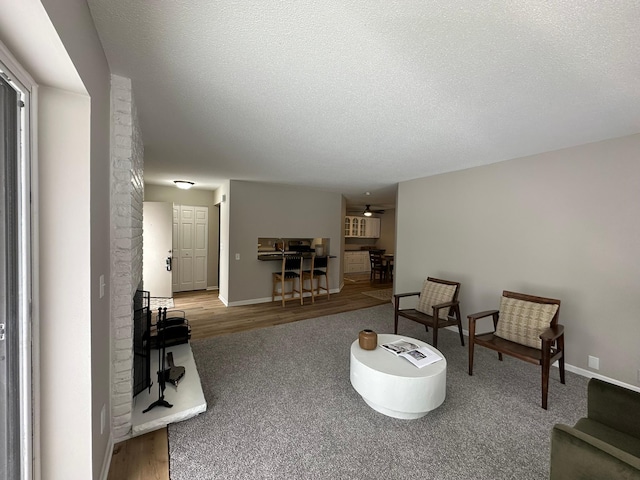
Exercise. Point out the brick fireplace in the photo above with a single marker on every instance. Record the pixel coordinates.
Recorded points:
(127, 195)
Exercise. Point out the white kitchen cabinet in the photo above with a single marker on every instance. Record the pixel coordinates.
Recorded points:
(362, 227)
(372, 229)
(356, 262)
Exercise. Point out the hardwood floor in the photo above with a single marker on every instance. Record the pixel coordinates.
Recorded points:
(147, 457)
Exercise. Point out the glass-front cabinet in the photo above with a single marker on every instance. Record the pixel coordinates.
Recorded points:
(362, 227)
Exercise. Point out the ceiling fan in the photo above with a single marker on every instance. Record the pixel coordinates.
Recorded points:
(368, 212)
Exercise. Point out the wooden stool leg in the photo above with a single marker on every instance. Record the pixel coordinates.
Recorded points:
(274, 282)
(300, 290)
(313, 288)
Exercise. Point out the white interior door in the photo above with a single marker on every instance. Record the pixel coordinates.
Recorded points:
(157, 219)
(190, 245)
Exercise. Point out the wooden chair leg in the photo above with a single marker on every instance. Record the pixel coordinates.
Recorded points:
(546, 366)
(435, 332)
(457, 314)
(395, 315)
(561, 359)
(545, 387)
(472, 334)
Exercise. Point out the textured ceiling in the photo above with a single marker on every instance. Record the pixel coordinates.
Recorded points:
(353, 96)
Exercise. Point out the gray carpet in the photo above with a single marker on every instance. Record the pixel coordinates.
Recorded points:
(281, 406)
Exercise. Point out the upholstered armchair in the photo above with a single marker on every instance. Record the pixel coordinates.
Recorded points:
(603, 445)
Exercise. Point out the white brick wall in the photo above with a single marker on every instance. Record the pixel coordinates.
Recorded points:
(127, 194)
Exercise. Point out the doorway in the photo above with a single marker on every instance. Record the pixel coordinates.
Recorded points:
(157, 248)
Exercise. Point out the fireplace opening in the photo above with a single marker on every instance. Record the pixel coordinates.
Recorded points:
(141, 342)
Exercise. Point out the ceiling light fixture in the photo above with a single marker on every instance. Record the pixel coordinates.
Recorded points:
(183, 184)
(367, 212)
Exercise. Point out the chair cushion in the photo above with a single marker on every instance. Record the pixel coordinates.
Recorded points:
(523, 322)
(435, 293)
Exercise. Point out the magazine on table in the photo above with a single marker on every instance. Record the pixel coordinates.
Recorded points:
(419, 356)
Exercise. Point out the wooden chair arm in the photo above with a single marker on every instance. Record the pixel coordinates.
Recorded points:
(446, 304)
(475, 316)
(552, 333)
(400, 295)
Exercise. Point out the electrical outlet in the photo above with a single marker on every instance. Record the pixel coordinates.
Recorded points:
(237, 256)
(594, 362)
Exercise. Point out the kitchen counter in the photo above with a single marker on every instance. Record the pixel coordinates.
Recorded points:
(278, 256)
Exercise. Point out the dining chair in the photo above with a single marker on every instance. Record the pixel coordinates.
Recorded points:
(377, 266)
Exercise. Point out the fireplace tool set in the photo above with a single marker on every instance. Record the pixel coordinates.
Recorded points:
(169, 331)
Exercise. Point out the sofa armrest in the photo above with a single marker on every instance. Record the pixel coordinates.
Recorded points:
(576, 455)
(614, 406)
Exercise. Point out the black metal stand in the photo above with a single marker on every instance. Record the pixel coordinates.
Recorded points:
(160, 326)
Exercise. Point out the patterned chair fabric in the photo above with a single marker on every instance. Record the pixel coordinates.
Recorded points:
(523, 322)
(434, 293)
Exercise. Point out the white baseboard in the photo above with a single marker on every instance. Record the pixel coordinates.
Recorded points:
(254, 301)
(213, 288)
(106, 461)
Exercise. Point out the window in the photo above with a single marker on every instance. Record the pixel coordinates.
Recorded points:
(16, 411)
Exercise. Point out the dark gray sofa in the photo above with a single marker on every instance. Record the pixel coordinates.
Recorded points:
(603, 445)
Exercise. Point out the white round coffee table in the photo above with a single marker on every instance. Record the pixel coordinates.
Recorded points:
(392, 385)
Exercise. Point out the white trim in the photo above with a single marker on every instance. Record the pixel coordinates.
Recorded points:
(586, 373)
(106, 462)
(213, 288)
(254, 301)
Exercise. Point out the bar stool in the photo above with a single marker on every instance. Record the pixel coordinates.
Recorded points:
(319, 269)
(291, 270)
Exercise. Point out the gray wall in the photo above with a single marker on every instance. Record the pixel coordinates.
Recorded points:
(387, 240)
(564, 224)
(198, 198)
(268, 210)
